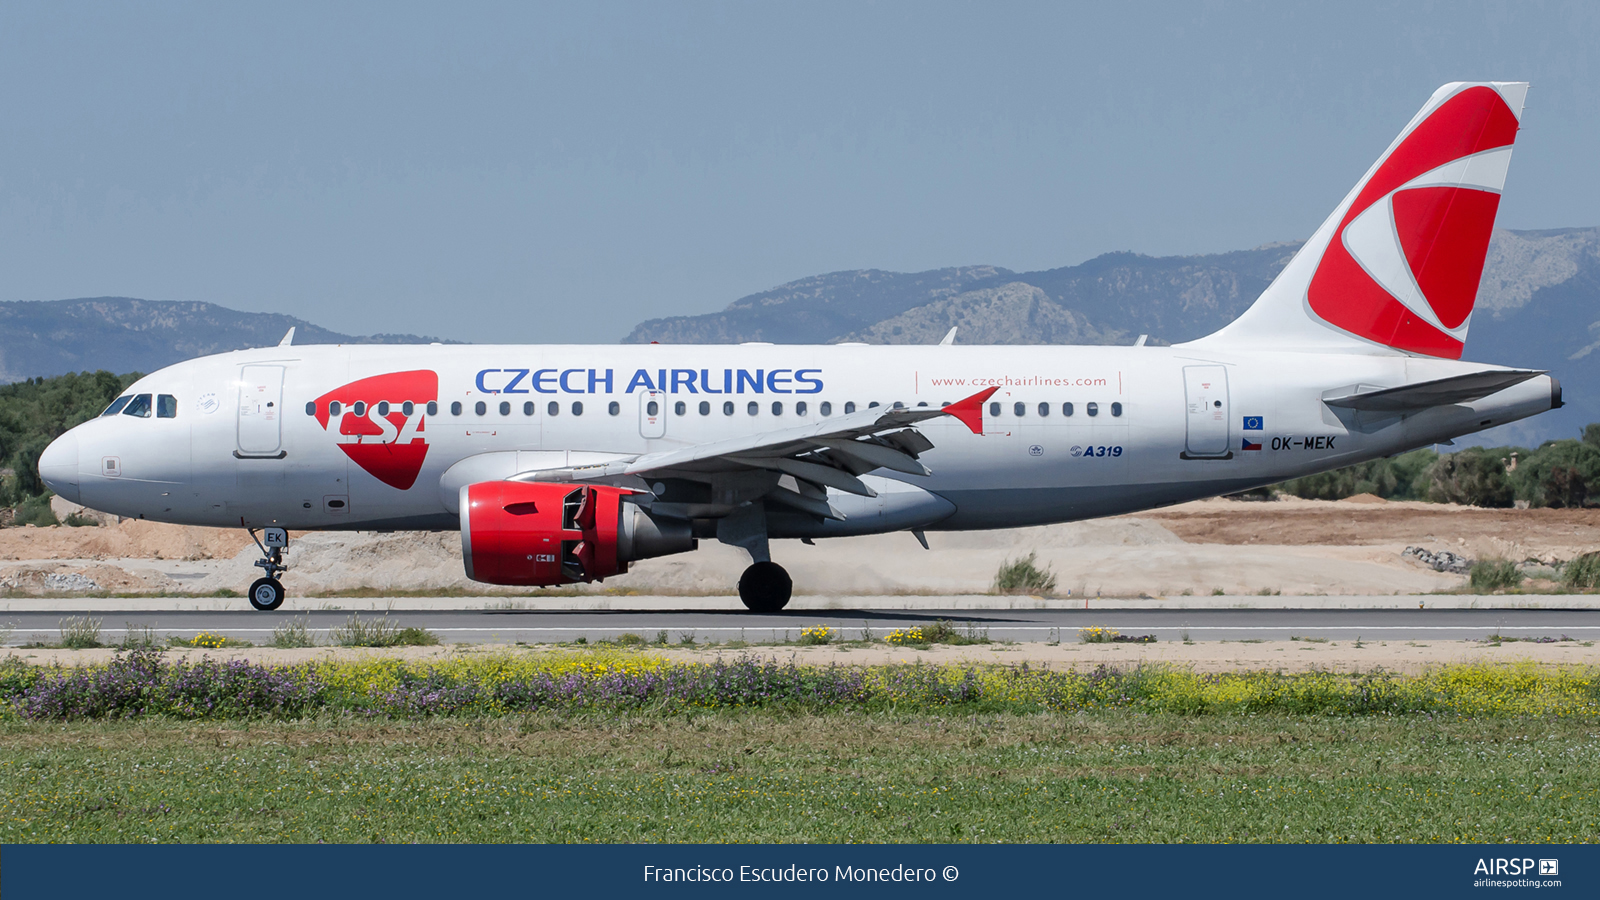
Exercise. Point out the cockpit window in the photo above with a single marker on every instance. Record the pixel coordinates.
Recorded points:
(166, 406)
(117, 405)
(138, 406)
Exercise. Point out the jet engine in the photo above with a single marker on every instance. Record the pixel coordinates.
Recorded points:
(542, 534)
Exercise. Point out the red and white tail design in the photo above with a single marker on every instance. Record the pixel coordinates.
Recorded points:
(1398, 262)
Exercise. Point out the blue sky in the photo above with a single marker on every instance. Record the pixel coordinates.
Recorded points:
(528, 172)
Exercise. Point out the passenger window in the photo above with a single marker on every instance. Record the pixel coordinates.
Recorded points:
(433, 408)
(777, 408)
(727, 408)
(1044, 410)
(360, 409)
(680, 408)
(167, 406)
(527, 407)
(1066, 409)
(872, 405)
(455, 408)
(407, 408)
(1116, 409)
(652, 408)
(826, 408)
(705, 408)
(753, 407)
(1092, 409)
(335, 407)
(138, 406)
(553, 409)
(994, 410)
(505, 408)
(849, 407)
(615, 408)
(577, 407)
(480, 408)
(1019, 409)
(117, 405)
(800, 408)
(311, 407)
(383, 408)
(898, 405)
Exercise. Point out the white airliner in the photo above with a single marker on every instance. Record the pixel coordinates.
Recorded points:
(564, 464)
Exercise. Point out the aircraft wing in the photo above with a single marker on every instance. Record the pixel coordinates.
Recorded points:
(1440, 392)
(831, 453)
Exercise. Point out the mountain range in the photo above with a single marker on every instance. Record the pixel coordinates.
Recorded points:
(122, 334)
(1538, 306)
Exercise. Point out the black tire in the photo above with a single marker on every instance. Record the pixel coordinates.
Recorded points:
(266, 594)
(765, 587)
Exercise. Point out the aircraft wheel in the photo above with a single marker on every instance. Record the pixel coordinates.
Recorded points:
(266, 594)
(765, 587)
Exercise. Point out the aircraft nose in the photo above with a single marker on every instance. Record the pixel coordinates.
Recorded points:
(58, 466)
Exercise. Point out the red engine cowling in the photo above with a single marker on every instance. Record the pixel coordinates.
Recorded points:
(541, 534)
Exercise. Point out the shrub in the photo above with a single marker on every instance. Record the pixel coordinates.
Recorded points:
(138, 637)
(35, 511)
(1494, 575)
(1023, 576)
(411, 636)
(1094, 634)
(359, 632)
(943, 631)
(293, 633)
(900, 637)
(1582, 573)
(80, 632)
(816, 634)
(211, 641)
(78, 520)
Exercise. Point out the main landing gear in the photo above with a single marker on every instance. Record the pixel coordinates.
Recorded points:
(266, 594)
(765, 587)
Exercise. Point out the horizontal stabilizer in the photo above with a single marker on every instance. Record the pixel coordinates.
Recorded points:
(1428, 394)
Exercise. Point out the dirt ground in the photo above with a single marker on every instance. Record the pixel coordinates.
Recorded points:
(1288, 547)
(1548, 534)
(1203, 656)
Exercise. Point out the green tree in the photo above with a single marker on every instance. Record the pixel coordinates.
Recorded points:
(1475, 476)
(1560, 473)
(35, 412)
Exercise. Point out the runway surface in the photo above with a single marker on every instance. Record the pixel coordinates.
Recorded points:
(545, 626)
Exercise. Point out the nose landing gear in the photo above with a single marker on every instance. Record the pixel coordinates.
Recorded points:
(266, 594)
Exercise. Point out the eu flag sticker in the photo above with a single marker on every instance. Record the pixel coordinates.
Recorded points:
(1254, 423)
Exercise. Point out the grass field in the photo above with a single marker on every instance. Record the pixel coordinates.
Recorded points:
(783, 775)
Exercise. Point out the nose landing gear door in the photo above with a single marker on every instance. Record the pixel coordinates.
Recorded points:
(1205, 391)
(260, 412)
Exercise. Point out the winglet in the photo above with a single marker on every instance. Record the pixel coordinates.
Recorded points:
(287, 338)
(970, 410)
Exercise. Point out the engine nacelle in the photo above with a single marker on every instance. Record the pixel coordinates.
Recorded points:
(542, 534)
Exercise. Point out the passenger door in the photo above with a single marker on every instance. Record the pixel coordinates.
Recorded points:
(260, 411)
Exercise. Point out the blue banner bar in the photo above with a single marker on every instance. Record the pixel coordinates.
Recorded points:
(437, 872)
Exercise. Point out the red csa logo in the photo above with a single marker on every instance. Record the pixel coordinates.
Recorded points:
(379, 422)
(1403, 267)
